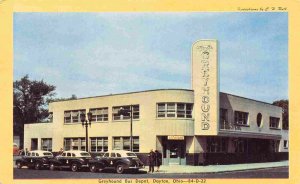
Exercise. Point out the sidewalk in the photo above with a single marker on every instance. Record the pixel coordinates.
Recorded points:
(217, 168)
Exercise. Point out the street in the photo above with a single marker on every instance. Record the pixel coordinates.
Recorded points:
(24, 173)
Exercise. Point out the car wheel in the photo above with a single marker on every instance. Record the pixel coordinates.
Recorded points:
(74, 167)
(19, 165)
(52, 167)
(37, 166)
(93, 168)
(120, 169)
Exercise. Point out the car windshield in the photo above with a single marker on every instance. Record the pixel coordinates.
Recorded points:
(131, 154)
(47, 154)
(85, 154)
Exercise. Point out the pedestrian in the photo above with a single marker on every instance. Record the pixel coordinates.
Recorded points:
(157, 160)
(151, 159)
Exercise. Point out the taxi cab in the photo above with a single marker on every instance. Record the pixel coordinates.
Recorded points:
(35, 159)
(74, 160)
(118, 160)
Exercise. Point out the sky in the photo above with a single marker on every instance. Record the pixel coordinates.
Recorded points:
(93, 54)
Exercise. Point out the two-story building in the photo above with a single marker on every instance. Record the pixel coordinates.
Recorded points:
(188, 126)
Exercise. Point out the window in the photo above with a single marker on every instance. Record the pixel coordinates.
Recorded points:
(99, 144)
(224, 119)
(241, 145)
(99, 114)
(240, 118)
(285, 144)
(73, 116)
(123, 143)
(46, 144)
(135, 112)
(170, 109)
(274, 122)
(174, 110)
(74, 144)
(216, 144)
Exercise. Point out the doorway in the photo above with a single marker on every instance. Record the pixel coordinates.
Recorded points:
(174, 151)
(34, 144)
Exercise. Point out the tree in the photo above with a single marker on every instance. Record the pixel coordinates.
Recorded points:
(73, 97)
(30, 103)
(284, 104)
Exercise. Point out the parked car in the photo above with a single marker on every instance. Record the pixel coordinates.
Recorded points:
(74, 160)
(118, 160)
(15, 149)
(35, 159)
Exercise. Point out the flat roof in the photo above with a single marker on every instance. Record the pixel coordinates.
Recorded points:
(152, 90)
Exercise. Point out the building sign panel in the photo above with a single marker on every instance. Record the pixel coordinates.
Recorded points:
(205, 86)
(175, 137)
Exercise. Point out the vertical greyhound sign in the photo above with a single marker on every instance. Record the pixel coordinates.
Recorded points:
(205, 86)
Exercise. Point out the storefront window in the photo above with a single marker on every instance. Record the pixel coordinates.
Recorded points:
(216, 145)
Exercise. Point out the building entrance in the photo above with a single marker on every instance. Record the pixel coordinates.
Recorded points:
(34, 144)
(173, 150)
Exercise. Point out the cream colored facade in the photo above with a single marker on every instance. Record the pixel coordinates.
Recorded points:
(193, 127)
(153, 131)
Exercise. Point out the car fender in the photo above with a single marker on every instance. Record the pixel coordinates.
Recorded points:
(126, 165)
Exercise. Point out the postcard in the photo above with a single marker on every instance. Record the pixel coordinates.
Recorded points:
(148, 92)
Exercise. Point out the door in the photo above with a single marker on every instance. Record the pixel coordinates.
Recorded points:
(175, 150)
(34, 144)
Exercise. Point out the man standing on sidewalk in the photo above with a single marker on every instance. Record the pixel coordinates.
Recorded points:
(151, 159)
(157, 159)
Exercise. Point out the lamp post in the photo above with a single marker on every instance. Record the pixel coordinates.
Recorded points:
(86, 123)
(123, 112)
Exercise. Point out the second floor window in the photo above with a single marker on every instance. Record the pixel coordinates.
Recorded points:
(240, 118)
(99, 114)
(135, 112)
(174, 110)
(72, 116)
(274, 122)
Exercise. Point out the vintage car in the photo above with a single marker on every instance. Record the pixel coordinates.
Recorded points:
(75, 160)
(118, 160)
(35, 159)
